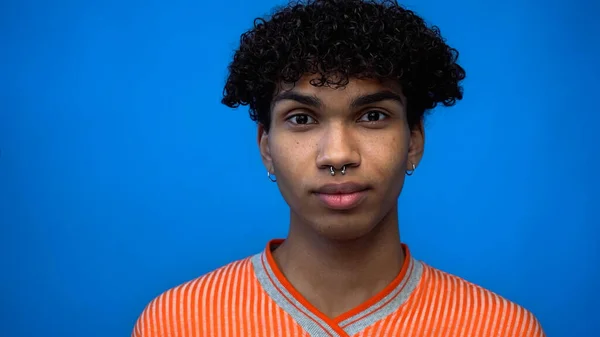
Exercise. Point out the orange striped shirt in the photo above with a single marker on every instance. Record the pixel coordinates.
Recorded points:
(251, 298)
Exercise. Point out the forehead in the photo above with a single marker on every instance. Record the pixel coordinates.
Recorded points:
(355, 87)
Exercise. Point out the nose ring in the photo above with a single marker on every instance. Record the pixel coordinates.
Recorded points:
(332, 170)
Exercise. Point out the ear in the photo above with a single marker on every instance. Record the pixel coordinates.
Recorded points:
(263, 145)
(416, 146)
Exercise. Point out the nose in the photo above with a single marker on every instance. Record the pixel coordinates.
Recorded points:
(337, 148)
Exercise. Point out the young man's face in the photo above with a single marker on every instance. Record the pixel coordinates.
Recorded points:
(362, 126)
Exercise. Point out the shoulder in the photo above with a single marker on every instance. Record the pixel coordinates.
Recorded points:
(476, 310)
(182, 309)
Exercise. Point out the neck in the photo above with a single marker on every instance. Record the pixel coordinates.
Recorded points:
(337, 276)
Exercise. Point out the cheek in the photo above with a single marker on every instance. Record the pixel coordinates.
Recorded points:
(291, 161)
(388, 156)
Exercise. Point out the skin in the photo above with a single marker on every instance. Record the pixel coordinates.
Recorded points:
(339, 259)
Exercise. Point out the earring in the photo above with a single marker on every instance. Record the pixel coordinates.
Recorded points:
(410, 172)
(271, 177)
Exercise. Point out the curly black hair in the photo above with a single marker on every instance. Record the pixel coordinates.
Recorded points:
(338, 40)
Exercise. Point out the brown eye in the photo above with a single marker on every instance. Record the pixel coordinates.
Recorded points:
(373, 116)
(301, 119)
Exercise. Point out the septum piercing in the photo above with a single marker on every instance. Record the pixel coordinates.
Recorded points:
(332, 170)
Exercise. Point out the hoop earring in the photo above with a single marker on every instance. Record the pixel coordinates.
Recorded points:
(271, 177)
(410, 172)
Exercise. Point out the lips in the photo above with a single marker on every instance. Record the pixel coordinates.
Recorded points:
(343, 196)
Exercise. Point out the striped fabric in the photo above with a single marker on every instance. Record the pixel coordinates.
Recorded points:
(251, 298)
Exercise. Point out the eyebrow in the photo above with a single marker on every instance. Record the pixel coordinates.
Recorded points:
(359, 101)
(376, 97)
(294, 96)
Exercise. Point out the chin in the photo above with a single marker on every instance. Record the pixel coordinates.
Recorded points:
(343, 230)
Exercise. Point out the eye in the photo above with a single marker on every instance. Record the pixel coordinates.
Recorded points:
(373, 116)
(301, 119)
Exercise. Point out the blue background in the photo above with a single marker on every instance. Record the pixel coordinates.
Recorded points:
(121, 175)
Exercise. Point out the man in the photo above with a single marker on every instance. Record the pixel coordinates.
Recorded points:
(339, 89)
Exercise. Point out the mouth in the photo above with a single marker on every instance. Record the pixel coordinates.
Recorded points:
(343, 196)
